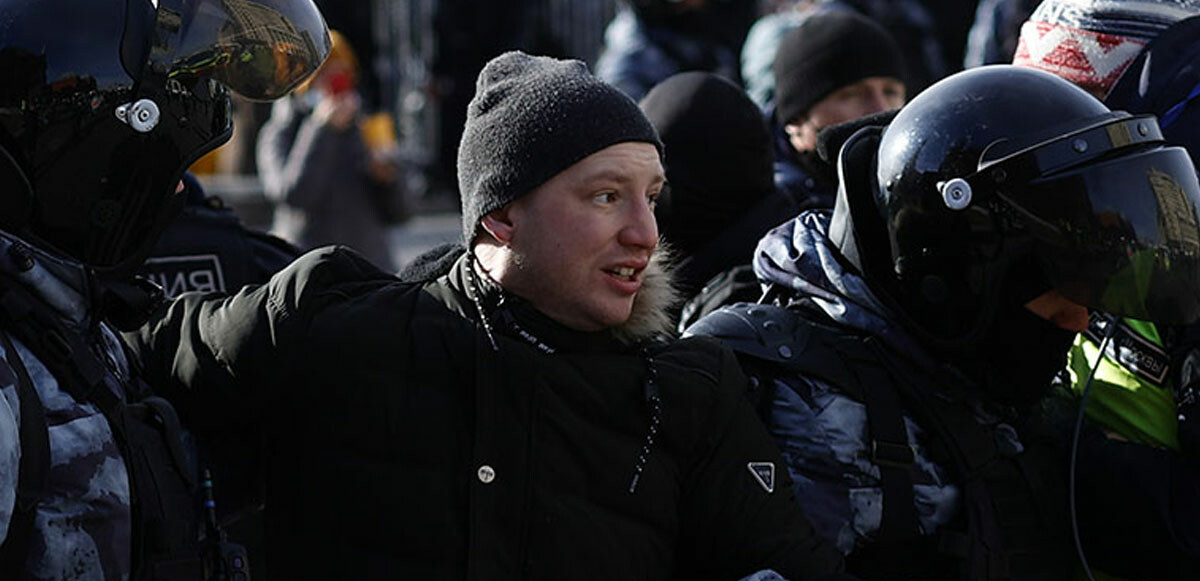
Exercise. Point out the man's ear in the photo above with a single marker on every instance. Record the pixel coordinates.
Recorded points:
(499, 224)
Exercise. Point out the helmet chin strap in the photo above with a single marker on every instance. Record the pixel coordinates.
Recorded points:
(1083, 401)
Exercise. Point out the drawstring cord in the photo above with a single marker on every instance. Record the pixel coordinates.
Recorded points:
(473, 294)
(650, 388)
(654, 400)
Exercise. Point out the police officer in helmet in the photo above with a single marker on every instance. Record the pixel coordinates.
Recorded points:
(103, 105)
(911, 333)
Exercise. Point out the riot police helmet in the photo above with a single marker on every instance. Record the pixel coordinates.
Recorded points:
(105, 103)
(1000, 169)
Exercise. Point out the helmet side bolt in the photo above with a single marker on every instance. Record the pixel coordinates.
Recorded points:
(1079, 145)
(1143, 129)
(142, 115)
(956, 193)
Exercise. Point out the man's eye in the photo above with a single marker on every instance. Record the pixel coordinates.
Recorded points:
(606, 198)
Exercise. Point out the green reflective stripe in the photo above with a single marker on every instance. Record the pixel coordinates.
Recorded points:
(1122, 402)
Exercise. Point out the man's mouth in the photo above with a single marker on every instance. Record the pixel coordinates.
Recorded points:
(624, 272)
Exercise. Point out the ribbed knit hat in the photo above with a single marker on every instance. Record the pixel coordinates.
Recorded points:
(531, 118)
(1091, 42)
(828, 51)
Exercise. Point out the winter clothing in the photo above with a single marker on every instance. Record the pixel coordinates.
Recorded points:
(830, 50)
(908, 22)
(832, 426)
(317, 177)
(1091, 42)
(206, 248)
(85, 503)
(519, 133)
(424, 452)
(718, 162)
(809, 181)
(642, 49)
(803, 181)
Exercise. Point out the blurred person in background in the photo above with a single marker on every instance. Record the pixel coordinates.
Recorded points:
(650, 40)
(206, 248)
(836, 67)
(833, 68)
(721, 198)
(328, 184)
(910, 24)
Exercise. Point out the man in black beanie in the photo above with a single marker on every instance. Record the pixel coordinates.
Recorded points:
(722, 197)
(513, 413)
(835, 67)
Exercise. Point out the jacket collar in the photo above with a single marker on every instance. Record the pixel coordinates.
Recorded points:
(512, 316)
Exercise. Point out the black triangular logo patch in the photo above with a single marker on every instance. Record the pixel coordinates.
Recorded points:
(764, 473)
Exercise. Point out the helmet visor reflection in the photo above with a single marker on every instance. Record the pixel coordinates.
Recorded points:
(260, 49)
(1122, 234)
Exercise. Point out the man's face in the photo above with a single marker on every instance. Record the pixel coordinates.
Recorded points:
(866, 97)
(581, 241)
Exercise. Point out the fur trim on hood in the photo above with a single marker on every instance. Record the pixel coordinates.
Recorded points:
(651, 314)
(649, 319)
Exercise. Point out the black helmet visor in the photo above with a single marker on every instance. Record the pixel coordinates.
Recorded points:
(260, 49)
(1120, 233)
(198, 51)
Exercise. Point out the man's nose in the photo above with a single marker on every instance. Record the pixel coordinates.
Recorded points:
(641, 229)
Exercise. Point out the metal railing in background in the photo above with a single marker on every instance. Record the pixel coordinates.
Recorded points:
(410, 48)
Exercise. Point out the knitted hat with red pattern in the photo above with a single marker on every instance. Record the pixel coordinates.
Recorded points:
(1091, 42)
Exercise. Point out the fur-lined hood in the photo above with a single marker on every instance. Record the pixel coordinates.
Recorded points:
(650, 318)
(651, 315)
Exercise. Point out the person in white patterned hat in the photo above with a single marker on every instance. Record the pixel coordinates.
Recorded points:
(1139, 422)
(1092, 42)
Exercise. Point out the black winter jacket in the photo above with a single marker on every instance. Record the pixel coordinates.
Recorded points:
(401, 445)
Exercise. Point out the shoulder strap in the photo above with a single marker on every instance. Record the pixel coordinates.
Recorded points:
(890, 449)
(34, 467)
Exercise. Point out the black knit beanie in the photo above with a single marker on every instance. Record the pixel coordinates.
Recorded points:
(830, 50)
(531, 118)
(718, 156)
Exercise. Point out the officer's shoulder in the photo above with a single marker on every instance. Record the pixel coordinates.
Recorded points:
(762, 331)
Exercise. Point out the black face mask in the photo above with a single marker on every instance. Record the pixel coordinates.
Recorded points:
(1020, 354)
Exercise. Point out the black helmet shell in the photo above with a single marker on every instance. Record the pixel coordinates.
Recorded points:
(102, 111)
(992, 166)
